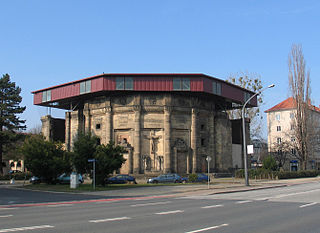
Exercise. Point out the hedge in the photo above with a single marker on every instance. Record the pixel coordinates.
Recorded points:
(267, 174)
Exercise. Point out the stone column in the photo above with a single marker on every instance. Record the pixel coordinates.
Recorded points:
(46, 127)
(188, 162)
(212, 141)
(194, 137)
(68, 132)
(108, 124)
(130, 160)
(175, 159)
(136, 139)
(87, 123)
(167, 139)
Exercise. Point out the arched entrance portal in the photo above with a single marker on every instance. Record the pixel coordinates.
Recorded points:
(181, 157)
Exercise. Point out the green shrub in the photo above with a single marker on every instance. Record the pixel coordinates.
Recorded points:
(193, 177)
(270, 163)
(267, 174)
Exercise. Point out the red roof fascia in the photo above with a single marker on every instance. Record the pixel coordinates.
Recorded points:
(139, 74)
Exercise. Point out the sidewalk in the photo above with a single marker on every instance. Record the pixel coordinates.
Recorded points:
(217, 186)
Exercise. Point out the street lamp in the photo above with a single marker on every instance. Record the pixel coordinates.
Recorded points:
(244, 134)
(208, 160)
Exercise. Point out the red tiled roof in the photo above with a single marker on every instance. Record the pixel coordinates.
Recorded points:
(287, 104)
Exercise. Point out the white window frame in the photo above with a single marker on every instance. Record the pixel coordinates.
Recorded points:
(181, 84)
(46, 96)
(85, 87)
(216, 88)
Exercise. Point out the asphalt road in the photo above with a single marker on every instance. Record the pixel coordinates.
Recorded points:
(288, 209)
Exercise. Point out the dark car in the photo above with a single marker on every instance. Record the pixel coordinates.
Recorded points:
(166, 178)
(121, 179)
(201, 177)
(35, 180)
(65, 179)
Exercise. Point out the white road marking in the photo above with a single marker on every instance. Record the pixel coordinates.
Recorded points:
(6, 216)
(26, 228)
(209, 228)
(60, 205)
(262, 199)
(170, 212)
(4, 208)
(109, 219)
(211, 206)
(242, 202)
(151, 203)
(310, 204)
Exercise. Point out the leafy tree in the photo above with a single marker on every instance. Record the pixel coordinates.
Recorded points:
(84, 148)
(109, 158)
(10, 100)
(250, 81)
(45, 159)
(270, 163)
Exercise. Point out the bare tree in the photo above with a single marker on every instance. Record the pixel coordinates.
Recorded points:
(250, 81)
(299, 86)
(282, 152)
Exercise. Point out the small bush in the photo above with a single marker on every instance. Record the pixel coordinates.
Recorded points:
(193, 177)
(267, 174)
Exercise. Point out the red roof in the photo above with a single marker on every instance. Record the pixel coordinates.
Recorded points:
(287, 104)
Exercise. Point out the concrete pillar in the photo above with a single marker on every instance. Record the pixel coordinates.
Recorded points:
(108, 124)
(136, 139)
(212, 141)
(194, 140)
(68, 131)
(87, 121)
(130, 160)
(175, 159)
(167, 139)
(46, 127)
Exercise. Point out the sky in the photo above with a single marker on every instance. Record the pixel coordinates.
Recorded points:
(46, 43)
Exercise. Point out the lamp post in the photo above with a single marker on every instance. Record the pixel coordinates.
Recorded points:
(208, 160)
(244, 134)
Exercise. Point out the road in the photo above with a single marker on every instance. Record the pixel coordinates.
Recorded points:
(294, 208)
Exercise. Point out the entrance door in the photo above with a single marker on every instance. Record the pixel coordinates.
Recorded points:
(182, 162)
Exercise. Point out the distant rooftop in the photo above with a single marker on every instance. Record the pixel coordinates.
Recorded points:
(288, 104)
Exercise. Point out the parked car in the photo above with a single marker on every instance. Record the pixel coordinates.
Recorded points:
(121, 179)
(65, 179)
(35, 180)
(201, 177)
(166, 178)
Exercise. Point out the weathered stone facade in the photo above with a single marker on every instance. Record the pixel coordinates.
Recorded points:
(162, 132)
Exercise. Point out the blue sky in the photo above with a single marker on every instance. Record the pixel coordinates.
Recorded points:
(45, 43)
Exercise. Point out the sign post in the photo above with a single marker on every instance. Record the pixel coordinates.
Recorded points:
(208, 160)
(94, 172)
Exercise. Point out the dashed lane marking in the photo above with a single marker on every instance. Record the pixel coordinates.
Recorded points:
(109, 219)
(170, 212)
(209, 228)
(211, 206)
(151, 203)
(6, 216)
(25, 228)
(310, 204)
(242, 202)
